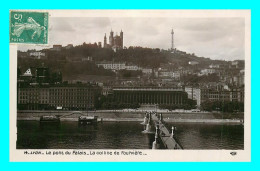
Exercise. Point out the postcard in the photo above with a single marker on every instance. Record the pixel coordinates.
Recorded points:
(130, 85)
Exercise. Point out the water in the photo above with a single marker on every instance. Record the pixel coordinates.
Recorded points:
(124, 135)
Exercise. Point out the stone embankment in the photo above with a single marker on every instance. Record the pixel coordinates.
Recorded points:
(120, 116)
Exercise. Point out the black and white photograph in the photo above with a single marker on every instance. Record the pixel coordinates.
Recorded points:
(147, 81)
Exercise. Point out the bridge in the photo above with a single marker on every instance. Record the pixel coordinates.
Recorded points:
(163, 138)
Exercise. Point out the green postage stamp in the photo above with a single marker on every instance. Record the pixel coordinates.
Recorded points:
(28, 27)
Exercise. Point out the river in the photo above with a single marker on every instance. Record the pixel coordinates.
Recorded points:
(124, 135)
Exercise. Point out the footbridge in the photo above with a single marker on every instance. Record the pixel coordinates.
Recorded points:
(164, 139)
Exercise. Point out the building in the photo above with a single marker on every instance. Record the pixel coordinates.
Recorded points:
(242, 77)
(237, 80)
(111, 65)
(117, 66)
(150, 95)
(169, 74)
(74, 96)
(176, 75)
(106, 90)
(37, 54)
(65, 96)
(115, 42)
(194, 94)
(38, 76)
(208, 71)
(42, 75)
(238, 64)
(214, 66)
(237, 94)
(205, 94)
(99, 45)
(69, 46)
(222, 95)
(56, 47)
(132, 67)
(147, 71)
(21, 54)
(193, 63)
(165, 73)
(26, 77)
(32, 98)
(185, 71)
(88, 58)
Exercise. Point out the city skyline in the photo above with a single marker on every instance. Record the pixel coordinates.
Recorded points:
(202, 36)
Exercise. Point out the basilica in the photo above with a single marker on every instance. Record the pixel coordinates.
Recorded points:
(115, 41)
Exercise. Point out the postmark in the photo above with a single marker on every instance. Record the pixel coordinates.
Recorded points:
(28, 27)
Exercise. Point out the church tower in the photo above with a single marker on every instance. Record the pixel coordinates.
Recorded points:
(122, 38)
(105, 41)
(111, 38)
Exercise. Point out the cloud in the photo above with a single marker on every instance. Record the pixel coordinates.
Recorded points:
(217, 38)
(62, 25)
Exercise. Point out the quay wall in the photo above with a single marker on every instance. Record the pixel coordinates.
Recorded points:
(127, 116)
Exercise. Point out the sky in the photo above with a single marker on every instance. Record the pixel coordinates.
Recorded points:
(215, 38)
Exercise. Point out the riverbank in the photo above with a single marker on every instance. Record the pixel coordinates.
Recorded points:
(122, 116)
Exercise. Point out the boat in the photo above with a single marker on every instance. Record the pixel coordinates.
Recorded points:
(88, 120)
(49, 119)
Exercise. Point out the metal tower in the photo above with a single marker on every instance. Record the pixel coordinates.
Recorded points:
(172, 48)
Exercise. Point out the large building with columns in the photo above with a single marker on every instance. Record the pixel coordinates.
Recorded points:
(150, 95)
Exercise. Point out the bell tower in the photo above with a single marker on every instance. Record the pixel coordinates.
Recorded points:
(111, 38)
(105, 41)
(122, 38)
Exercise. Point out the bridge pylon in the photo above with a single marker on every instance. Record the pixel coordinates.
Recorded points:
(173, 130)
(156, 144)
(146, 118)
(148, 127)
